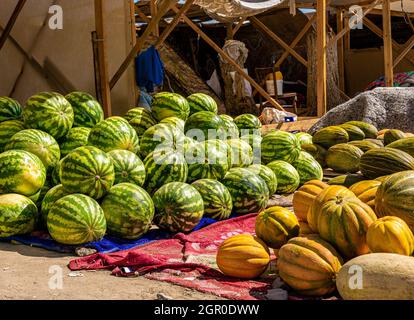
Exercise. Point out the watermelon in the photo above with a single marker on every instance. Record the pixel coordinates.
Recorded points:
(232, 131)
(179, 207)
(248, 124)
(308, 168)
(87, 110)
(42, 192)
(318, 152)
(87, 170)
(205, 125)
(344, 157)
(304, 138)
(266, 174)
(76, 219)
(280, 145)
(201, 102)
(222, 146)
(241, 153)
(287, 176)
(206, 161)
(112, 134)
(49, 112)
(18, 215)
(161, 136)
(41, 144)
(255, 143)
(10, 109)
(188, 144)
(248, 191)
(7, 130)
(129, 211)
(216, 198)
(163, 167)
(77, 137)
(175, 121)
(21, 172)
(141, 121)
(54, 177)
(53, 195)
(166, 104)
(128, 167)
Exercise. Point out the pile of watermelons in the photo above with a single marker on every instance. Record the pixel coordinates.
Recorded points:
(66, 169)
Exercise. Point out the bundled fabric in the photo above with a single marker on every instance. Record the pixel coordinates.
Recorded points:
(403, 79)
(149, 69)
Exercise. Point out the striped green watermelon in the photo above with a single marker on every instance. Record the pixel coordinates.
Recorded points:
(141, 121)
(77, 137)
(10, 109)
(222, 146)
(21, 172)
(7, 130)
(216, 198)
(49, 112)
(161, 136)
(248, 191)
(163, 167)
(167, 104)
(232, 131)
(112, 134)
(87, 110)
(128, 167)
(18, 215)
(304, 138)
(280, 145)
(87, 170)
(206, 161)
(255, 141)
(76, 219)
(129, 211)
(175, 121)
(202, 102)
(53, 195)
(248, 124)
(41, 144)
(266, 174)
(188, 144)
(241, 153)
(54, 176)
(308, 168)
(179, 207)
(288, 179)
(205, 125)
(42, 192)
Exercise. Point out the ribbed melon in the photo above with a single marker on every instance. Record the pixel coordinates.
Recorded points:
(344, 157)
(318, 152)
(393, 135)
(366, 191)
(381, 162)
(354, 132)
(405, 144)
(369, 130)
(346, 180)
(304, 196)
(330, 136)
(364, 145)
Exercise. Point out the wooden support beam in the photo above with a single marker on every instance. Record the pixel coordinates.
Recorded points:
(132, 25)
(340, 49)
(408, 46)
(239, 25)
(229, 31)
(104, 89)
(321, 18)
(295, 42)
(167, 31)
(347, 37)
(141, 14)
(162, 9)
(260, 25)
(154, 13)
(5, 34)
(386, 26)
(225, 56)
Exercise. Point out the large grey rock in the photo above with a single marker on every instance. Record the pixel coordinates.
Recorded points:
(383, 107)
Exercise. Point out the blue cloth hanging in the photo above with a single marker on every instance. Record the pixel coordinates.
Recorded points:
(149, 69)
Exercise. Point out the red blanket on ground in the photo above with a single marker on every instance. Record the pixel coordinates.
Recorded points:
(187, 260)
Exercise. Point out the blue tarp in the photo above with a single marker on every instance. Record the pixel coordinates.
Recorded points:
(149, 69)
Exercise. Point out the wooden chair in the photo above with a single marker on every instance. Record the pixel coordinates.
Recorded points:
(261, 74)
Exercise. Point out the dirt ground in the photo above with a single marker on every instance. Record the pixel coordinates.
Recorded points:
(24, 274)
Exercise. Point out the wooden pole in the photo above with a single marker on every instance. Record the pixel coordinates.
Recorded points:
(340, 49)
(296, 40)
(102, 58)
(167, 31)
(321, 57)
(162, 9)
(225, 56)
(132, 10)
(11, 22)
(141, 14)
(408, 46)
(154, 13)
(260, 25)
(229, 29)
(386, 25)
